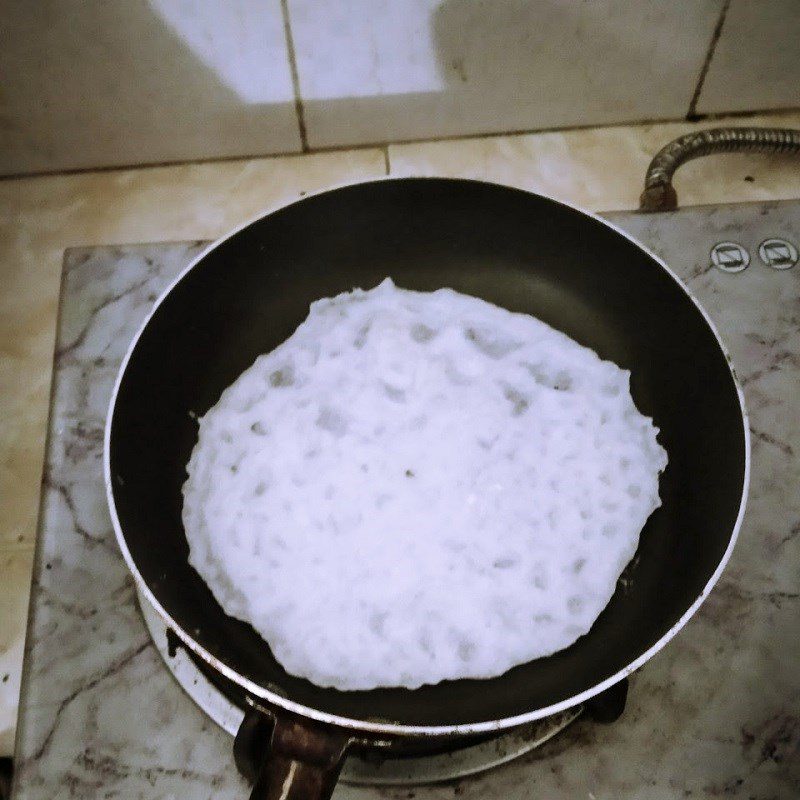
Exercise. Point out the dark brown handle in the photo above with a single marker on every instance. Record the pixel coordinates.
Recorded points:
(659, 193)
(295, 760)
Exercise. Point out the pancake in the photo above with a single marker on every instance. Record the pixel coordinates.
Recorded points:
(417, 487)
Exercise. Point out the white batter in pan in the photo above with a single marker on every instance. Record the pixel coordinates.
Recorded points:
(417, 487)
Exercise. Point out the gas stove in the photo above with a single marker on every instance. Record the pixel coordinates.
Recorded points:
(101, 716)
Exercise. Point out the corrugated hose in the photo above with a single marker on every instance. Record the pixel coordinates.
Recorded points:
(659, 193)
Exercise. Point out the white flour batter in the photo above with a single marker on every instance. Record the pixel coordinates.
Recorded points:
(417, 487)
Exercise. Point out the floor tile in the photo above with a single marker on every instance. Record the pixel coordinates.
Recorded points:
(604, 169)
(41, 216)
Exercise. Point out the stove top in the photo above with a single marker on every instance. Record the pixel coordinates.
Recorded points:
(715, 713)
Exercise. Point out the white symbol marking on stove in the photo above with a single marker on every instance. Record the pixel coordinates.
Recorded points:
(778, 253)
(730, 257)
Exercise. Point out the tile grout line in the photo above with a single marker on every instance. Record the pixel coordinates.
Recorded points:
(378, 145)
(691, 114)
(298, 98)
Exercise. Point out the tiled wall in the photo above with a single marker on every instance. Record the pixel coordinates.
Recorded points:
(89, 83)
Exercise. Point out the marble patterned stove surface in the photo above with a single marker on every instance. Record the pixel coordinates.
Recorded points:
(717, 713)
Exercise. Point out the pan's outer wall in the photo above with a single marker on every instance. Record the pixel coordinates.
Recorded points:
(518, 250)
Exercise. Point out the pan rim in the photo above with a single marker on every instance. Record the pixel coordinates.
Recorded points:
(388, 727)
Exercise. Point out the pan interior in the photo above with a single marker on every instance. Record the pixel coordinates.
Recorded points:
(512, 248)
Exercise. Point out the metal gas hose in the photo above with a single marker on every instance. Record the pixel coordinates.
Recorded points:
(659, 193)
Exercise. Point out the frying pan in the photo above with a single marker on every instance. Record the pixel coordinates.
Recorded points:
(521, 251)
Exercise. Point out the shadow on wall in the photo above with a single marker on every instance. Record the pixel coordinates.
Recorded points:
(510, 65)
(107, 83)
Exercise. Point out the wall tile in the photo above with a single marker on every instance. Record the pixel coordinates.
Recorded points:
(388, 70)
(93, 83)
(756, 63)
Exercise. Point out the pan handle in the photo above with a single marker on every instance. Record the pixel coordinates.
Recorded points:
(297, 760)
(659, 193)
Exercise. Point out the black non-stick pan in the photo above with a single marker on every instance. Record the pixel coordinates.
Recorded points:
(527, 253)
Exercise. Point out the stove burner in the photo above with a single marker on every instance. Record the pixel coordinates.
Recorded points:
(225, 703)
